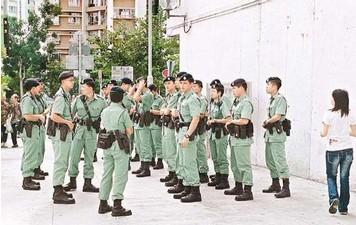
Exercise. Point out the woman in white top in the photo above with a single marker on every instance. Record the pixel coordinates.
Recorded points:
(338, 127)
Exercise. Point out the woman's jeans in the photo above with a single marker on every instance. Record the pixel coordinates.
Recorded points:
(334, 160)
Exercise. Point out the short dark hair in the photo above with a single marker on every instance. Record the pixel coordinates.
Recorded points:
(239, 82)
(341, 99)
(219, 88)
(116, 94)
(152, 87)
(276, 81)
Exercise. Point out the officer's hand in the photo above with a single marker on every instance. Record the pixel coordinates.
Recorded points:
(166, 111)
(42, 118)
(132, 110)
(175, 113)
(228, 123)
(70, 125)
(264, 123)
(184, 142)
(209, 122)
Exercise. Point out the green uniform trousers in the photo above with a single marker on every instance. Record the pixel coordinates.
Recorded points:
(115, 173)
(189, 165)
(241, 164)
(79, 144)
(61, 158)
(30, 153)
(169, 148)
(145, 144)
(156, 143)
(202, 159)
(41, 150)
(276, 160)
(218, 148)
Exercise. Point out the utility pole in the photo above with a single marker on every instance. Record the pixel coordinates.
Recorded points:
(149, 77)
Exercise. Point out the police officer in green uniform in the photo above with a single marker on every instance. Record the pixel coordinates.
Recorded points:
(241, 132)
(202, 159)
(62, 125)
(115, 118)
(189, 114)
(128, 103)
(44, 109)
(275, 138)
(218, 139)
(169, 144)
(86, 109)
(144, 98)
(31, 126)
(177, 180)
(156, 128)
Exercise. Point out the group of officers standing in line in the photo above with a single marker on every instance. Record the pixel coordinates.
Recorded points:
(173, 129)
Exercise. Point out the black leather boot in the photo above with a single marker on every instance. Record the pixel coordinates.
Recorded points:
(237, 190)
(215, 181)
(30, 185)
(60, 197)
(72, 185)
(224, 182)
(203, 178)
(193, 196)
(159, 165)
(177, 188)
(37, 175)
(95, 159)
(89, 187)
(247, 195)
(104, 207)
(139, 169)
(41, 172)
(172, 182)
(153, 162)
(184, 193)
(275, 187)
(136, 158)
(146, 170)
(118, 210)
(285, 192)
(168, 177)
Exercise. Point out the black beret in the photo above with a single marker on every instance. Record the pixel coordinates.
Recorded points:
(113, 82)
(126, 80)
(116, 89)
(88, 81)
(187, 77)
(152, 87)
(217, 86)
(104, 86)
(170, 78)
(215, 81)
(198, 82)
(180, 74)
(238, 82)
(30, 83)
(64, 75)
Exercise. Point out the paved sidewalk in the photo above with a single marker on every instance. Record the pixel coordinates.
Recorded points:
(151, 204)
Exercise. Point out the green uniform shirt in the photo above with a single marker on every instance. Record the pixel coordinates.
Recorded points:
(278, 105)
(242, 108)
(127, 102)
(188, 107)
(218, 110)
(61, 105)
(95, 106)
(29, 105)
(156, 105)
(172, 100)
(41, 102)
(203, 103)
(116, 117)
(146, 102)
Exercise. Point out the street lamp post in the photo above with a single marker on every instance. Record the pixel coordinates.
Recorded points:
(149, 77)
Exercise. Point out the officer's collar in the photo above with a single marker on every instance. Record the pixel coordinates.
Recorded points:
(189, 93)
(242, 97)
(274, 96)
(116, 103)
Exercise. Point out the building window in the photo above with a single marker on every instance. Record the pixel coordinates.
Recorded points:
(75, 19)
(124, 13)
(56, 20)
(73, 3)
(93, 18)
(12, 9)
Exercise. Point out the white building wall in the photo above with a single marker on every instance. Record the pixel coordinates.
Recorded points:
(309, 44)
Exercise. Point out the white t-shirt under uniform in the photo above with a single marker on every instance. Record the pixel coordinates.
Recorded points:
(338, 137)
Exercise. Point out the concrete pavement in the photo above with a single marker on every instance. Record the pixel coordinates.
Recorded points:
(151, 204)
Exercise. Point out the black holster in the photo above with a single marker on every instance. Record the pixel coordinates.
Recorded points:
(51, 128)
(167, 121)
(147, 118)
(105, 140)
(96, 125)
(157, 120)
(123, 141)
(63, 131)
(287, 126)
(136, 117)
(219, 130)
(28, 129)
(201, 128)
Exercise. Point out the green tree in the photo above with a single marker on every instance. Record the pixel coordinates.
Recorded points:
(128, 47)
(27, 56)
